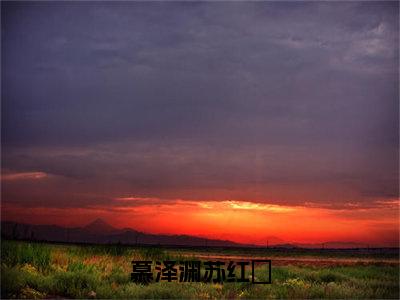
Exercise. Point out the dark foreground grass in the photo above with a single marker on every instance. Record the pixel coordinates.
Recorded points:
(30, 270)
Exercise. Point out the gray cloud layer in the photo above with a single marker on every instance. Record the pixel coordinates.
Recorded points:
(278, 102)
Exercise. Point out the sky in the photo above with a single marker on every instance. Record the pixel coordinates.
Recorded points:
(247, 121)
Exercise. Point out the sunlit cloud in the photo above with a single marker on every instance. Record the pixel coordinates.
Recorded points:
(259, 206)
(224, 204)
(24, 176)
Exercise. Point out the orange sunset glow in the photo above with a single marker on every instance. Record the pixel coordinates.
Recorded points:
(239, 221)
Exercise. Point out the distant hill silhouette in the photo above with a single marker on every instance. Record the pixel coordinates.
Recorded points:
(101, 232)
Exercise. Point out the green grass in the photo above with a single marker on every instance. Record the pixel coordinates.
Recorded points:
(30, 270)
(13, 253)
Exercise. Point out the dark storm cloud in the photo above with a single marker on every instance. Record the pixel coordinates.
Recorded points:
(278, 102)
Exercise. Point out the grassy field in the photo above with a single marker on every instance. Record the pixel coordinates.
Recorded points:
(37, 270)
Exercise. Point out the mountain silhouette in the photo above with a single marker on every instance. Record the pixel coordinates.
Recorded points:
(99, 226)
(100, 232)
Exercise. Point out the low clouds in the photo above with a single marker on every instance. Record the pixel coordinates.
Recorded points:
(324, 176)
(285, 103)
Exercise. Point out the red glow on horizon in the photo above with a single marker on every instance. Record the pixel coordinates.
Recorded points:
(239, 221)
